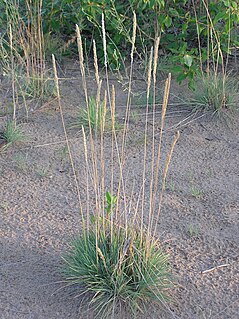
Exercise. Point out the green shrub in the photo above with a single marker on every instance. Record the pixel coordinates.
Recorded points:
(180, 25)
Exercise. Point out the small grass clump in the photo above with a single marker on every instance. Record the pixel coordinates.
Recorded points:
(216, 93)
(92, 117)
(119, 270)
(12, 133)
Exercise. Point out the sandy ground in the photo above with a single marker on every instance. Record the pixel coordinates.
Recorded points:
(39, 213)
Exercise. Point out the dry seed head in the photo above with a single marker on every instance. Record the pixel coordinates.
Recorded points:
(56, 77)
(80, 50)
(149, 72)
(134, 36)
(166, 95)
(96, 63)
(156, 50)
(104, 39)
(101, 256)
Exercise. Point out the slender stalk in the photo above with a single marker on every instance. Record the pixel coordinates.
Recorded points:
(66, 138)
(145, 145)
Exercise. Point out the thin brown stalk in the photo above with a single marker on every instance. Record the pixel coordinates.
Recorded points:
(66, 138)
(81, 60)
(155, 188)
(145, 144)
(164, 182)
(155, 62)
(127, 112)
(13, 74)
(87, 182)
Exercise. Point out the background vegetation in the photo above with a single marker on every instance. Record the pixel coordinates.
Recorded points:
(191, 31)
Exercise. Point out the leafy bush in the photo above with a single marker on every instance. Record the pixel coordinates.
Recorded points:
(182, 26)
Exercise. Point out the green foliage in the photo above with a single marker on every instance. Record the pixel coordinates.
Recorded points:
(193, 231)
(111, 202)
(181, 25)
(118, 270)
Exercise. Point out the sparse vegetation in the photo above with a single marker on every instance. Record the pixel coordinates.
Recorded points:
(20, 162)
(117, 259)
(193, 230)
(41, 172)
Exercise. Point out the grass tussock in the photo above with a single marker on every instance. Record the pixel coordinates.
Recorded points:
(12, 134)
(216, 93)
(118, 270)
(92, 117)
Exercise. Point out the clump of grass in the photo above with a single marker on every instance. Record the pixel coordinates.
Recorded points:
(193, 230)
(196, 192)
(116, 258)
(118, 270)
(34, 87)
(12, 133)
(91, 117)
(216, 93)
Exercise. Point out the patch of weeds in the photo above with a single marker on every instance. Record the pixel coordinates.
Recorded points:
(4, 206)
(193, 230)
(12, 134)
(134, 116)
(170, 185)
(196, 192)
(41, 172)
(53, 44)
(62, 153)
(136, 141)
(216, 93)
(6, 110)
(20, 162)
(209, 173)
